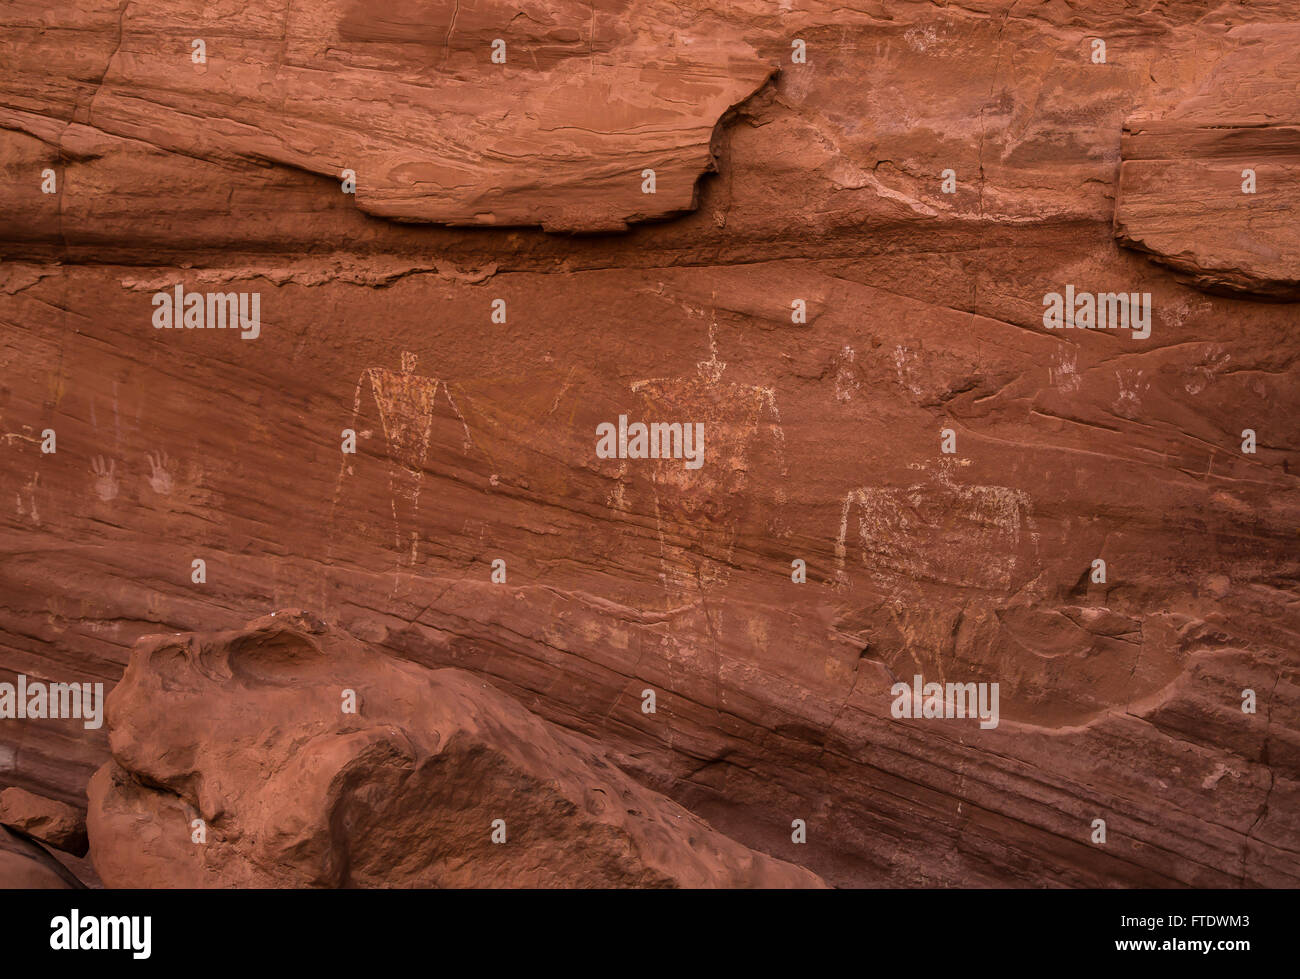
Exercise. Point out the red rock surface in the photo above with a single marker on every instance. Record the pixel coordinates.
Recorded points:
(54, 823)
(586, 97)
(1119, 701)
(1181, 194)
(26, 866)
(287, 755)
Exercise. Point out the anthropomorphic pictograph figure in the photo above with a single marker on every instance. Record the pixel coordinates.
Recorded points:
(406, 402)
(699, 511)
(976, 545)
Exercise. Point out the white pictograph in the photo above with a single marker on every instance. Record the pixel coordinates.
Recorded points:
(105, 477)
(908, 534)
(406, 402)
(695, 510)
(160, 478)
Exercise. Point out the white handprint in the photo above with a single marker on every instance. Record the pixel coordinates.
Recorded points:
(106, 478)
(160, 480)
(1064, 372)
(1131, 388)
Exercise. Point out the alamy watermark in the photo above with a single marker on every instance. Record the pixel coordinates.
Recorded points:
(948, 700)
(1100, 311)
(97, 932)
(179, 309)
(39, 700)
(658, 440)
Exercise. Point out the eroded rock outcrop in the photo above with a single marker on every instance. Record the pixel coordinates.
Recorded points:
(312, 761)
(54, 823)
(1211, 188)
(470, 113)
